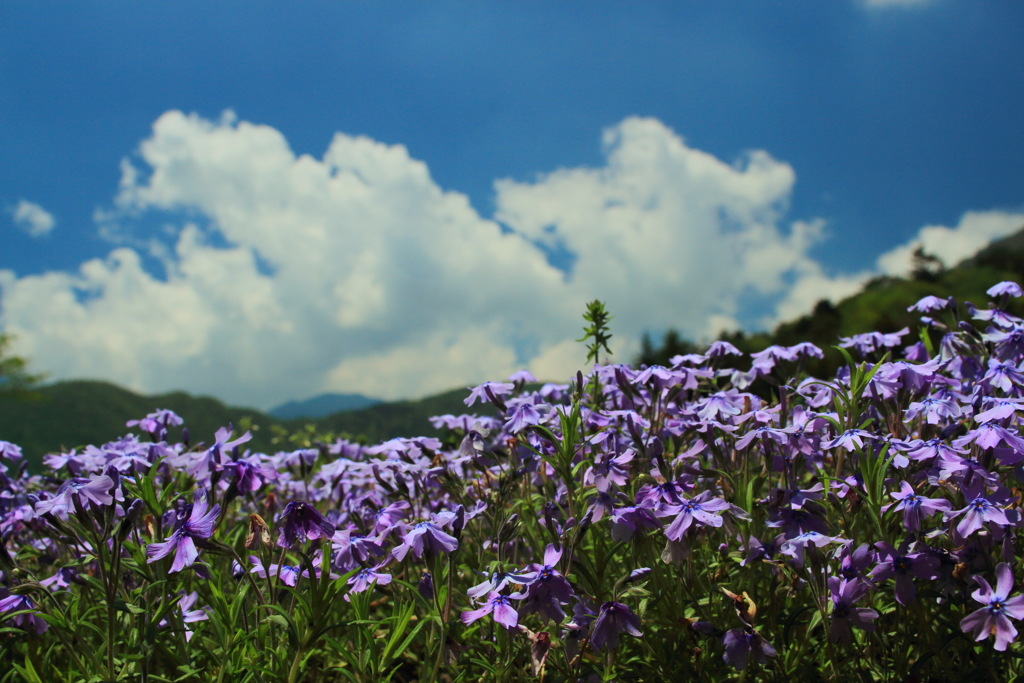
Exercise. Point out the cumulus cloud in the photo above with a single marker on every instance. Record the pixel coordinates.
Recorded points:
(975, 230)
(33, 219)
(281, 276)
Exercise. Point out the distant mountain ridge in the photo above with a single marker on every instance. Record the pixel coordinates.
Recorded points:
(322, 405)
(76, 413)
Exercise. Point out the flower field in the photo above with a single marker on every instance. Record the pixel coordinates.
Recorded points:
(724, 518)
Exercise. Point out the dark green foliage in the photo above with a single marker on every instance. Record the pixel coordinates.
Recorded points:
(71, 414)
(15, 380)
(596, 334)
(881, 305)
(67, 415)
(400, 418)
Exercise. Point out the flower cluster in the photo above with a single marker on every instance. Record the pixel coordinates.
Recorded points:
(585, 529)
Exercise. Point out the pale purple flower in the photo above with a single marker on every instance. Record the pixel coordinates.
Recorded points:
(497, 582)
(287, 574)
(935, 410)
(929, 304)
(999, 410)
(365, 578)
(10, 451)
(189, 615)
(78, 492)
(488, 391)
(850, 439)
(699, 509)
(157, 423)
(425, 536)
(522, 416)
(796, 546)
(978, 511)
(994, 617)
(389, 515)
(915, 506)
(720, 349)
(1007, 288)
(500, 606)
(1003, 376)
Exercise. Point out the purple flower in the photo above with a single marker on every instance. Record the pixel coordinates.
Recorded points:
(194, 521)
(999, 410)
(1006, 288)
(902, 568)
(388, 516)
(915, 506)
(613, 618)
(488, 391)
(934, 408)
(929, 304)
(850, 439)
(698, 508)
(796, 546)
(498, 581)
(302, 522)
(20, 603)
(365, 578)
(547, 589)
(854, 562)
(10, 451)
(756, 550)
(979, 511)
(994, 617)
(426, 586)
(521, 416)
(189, 615)
(157, 423)
(741, 642)
(425, 536)
(844, 614)
(287, 574)
(626, 520)
(498, 605)
(75, 493)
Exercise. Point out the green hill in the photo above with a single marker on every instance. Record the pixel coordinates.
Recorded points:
(72, 414)
(881, 305)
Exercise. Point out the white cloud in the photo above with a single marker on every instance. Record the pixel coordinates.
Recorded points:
(975, 230)
(289, 275)
(33, 219)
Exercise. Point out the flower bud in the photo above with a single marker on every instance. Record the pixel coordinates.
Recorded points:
(426, 586)
(131, 516)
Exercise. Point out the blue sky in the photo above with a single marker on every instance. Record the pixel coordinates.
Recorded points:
(827, 138)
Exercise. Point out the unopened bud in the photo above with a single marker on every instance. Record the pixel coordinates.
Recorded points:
(426, 586)
(270, 503)
(131, 516)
